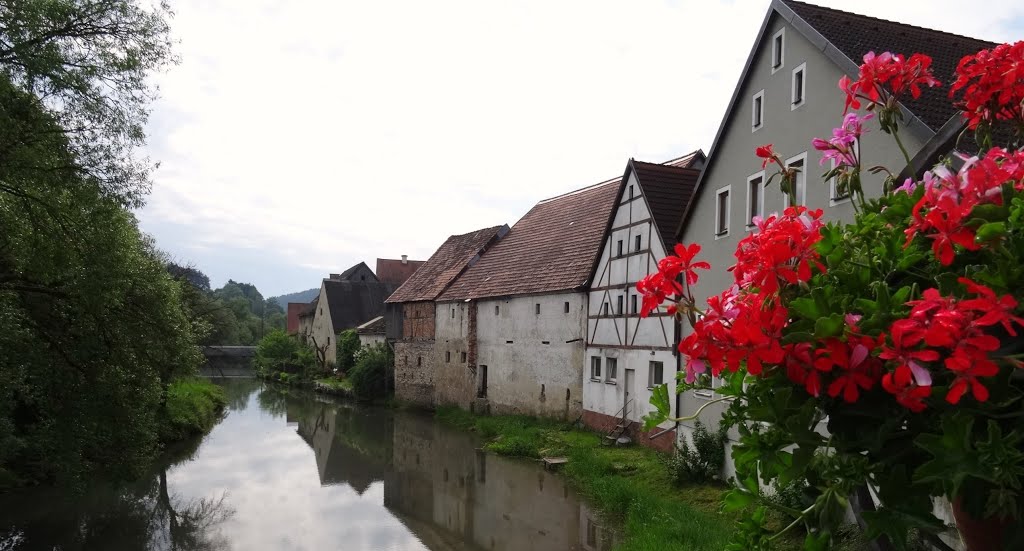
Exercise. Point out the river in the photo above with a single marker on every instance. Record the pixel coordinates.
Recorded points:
(290, 470)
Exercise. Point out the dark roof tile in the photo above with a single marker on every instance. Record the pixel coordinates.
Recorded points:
(668, 189)
(447, 262)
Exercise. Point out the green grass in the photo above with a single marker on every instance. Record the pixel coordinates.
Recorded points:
(193, 406)
(336, 383)
(630, 484)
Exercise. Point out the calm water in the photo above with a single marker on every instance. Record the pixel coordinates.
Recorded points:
(291, 470)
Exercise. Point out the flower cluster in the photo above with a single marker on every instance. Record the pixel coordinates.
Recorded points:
(943, 213)
(887, 76)
(657, 287)
(841, 148)
(949, 328)
(992, 82)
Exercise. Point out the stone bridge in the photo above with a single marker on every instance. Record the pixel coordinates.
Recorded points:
(228, 361)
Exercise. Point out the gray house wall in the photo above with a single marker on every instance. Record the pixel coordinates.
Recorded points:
(732, 161)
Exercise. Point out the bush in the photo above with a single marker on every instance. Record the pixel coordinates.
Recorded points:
(371, 373)
(192, 406)
(347, 347)
(703, 461)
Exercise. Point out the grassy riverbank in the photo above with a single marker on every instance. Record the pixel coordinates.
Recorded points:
(629, 483)
(193, 407)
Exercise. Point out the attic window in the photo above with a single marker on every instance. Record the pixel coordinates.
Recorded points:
(566, 305)
(536, 308)
(799, 85)
(619, 301)
(630, 192)
(632, 304)
(496, 309)
(778, 49)
(606, 308)
(362, 278)
(637, 244)
(757, 111)
(620, 247)
(453, 313)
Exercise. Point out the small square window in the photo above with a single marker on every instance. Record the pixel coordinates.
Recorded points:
(566, 307)
(757, 111)
(778, 50)
(612, 372)
(595, 368)
(636, 245)
(655, 374)
(618, 309)
(620, 248)
(799, 85)
(722, 212)
(448, 356)
(536, 309)
(632, 304)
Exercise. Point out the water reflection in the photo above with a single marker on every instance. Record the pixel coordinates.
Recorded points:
(382, 481)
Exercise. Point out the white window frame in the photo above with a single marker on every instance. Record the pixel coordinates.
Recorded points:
(595, 374)
(801, 198)
(794, 105)
(760, 199)
(832, 201)
(754, 126)
(718, 213)
(609, 378)
(782, 54)
(708, 394)
(650, 374)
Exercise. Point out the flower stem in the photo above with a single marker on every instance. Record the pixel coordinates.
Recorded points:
(899, 142)
(701, 409)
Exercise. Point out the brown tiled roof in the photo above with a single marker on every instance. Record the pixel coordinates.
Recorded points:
(856, 35)
(552, 248)
(395, 271)
(447, 262)
(668, 189)
(691, 160)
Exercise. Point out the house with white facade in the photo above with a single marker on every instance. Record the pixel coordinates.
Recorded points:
(522, 310)
(787, 95)
(346, 300)
(626, 356)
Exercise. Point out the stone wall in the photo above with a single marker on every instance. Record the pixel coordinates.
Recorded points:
(414, 372)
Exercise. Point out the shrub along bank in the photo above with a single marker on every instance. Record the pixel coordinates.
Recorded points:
(193, 406)
(636, 486)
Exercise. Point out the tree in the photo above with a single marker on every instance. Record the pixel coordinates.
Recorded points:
(371, 374)
(348, 346)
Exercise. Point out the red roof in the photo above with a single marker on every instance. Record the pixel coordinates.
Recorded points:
(450, 259)
(294, 309)
(553, 248)
(394, 271)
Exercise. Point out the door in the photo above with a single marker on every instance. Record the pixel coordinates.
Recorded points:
(628, 394)
(481, 391)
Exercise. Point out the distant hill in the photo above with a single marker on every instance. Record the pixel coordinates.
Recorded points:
(300, 296)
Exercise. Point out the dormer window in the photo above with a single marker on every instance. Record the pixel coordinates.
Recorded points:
(778, 50)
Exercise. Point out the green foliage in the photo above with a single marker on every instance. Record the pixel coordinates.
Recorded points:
(348, 347)
(701, 462)
(372, 372)
(192, 407)
(281, 356)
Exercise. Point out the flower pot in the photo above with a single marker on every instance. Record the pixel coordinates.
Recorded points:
(979, 534)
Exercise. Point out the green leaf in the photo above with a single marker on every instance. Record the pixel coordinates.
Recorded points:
(831, 326)
(660, 401)
(817, 541)
(991, 232)
(806, 307)
(736, 500)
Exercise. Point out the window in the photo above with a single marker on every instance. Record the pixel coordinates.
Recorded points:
(799, 86)
(536, 309)
(405, 360)
(328, 341)
(757, 111)
(606, 308)
(755, 197)
(798, 163)
(595, 368)
(636, 247)
(613, 370)
(419, 361)
(620, 247)
(453, 313)
(835, 197)
(566, 306)
(632, 304)
(496, 309)
(463, 357)
(778, 50)
(619, 300)
(630, 192)
(655, 374)
(722, 212)
(448, 356)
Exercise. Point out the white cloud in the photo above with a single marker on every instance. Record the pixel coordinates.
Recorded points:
(299, 136)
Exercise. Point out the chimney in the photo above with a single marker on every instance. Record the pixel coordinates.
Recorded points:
(405, 259)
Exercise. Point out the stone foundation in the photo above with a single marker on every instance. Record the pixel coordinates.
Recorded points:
(605, 423)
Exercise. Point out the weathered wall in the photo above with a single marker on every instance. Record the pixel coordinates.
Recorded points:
(323, 329)
(455, 380)
(414, 372)
(418, 320)
(534, 360)
(370, 340)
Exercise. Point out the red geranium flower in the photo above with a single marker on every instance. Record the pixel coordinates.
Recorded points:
(908, 394)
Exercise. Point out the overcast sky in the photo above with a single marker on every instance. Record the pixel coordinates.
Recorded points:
(299, 138)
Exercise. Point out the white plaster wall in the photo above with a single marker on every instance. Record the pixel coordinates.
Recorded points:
(323, 328)
(532, 373)
(370, 340)
(608, 397)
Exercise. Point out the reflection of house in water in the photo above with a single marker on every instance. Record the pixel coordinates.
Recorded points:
(343, 452)
(448, 493)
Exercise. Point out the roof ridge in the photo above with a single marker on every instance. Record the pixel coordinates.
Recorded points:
(581, 190)
(889, 21)
(680, 158)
